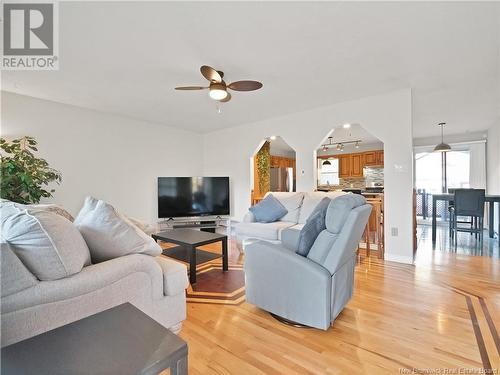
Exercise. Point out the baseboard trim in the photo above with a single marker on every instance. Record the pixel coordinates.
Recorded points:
(398, 258)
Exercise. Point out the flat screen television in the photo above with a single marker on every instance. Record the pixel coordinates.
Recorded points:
(193, 196)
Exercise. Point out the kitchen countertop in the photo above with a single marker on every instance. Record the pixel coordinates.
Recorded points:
(363, 192)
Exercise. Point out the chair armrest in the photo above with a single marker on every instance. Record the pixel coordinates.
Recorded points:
(249, 217)
(283, 262)
(90, 279)
(175, 279)
(285, 283)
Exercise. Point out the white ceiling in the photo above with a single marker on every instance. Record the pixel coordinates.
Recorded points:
(126, 57)
(353, 133)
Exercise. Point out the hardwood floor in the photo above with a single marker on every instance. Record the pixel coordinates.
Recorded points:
(441, 313)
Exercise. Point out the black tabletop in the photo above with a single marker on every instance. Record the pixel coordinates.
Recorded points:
(188, 236)
(121, 340)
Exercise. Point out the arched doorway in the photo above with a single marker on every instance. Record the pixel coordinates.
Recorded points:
(272, 168)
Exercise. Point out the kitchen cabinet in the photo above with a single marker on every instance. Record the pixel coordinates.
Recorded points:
(370, 158)
(357, 164)
(351, 165)
(344, 166)
(374, 158)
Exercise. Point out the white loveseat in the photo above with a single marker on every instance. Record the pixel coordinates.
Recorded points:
(47, 279)
(300, 205)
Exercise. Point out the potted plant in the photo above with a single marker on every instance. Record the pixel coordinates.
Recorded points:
(24, 177)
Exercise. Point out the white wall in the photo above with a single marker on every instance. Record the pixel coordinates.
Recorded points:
(387, 117)
(110, 157)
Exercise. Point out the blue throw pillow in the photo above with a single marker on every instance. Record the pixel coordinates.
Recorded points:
(315, 224)
(268, 210)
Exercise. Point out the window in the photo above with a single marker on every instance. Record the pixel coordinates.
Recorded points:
(328, 174)
(458, 169)
(429, 171)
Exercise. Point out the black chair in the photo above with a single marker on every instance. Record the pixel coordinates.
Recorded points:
(450, 215)
(468, 203)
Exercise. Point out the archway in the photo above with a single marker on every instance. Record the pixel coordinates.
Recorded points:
(272, 168)
(351, 159)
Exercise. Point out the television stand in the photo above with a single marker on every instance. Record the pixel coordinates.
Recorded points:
(211, 224)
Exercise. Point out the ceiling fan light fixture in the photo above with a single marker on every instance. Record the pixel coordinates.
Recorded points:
(217, 91)
(217, 94)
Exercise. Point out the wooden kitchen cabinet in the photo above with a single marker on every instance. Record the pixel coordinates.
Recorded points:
(351, 165)
(370, 158)
(344, 166)
(357, 164)
(374, 158)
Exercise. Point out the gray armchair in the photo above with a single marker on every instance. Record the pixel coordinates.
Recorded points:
(310, 290)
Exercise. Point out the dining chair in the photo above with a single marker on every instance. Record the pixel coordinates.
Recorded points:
(468, 203)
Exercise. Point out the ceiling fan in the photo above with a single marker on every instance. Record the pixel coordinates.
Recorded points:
(218, 88)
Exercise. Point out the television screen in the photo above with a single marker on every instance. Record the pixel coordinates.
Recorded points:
(193, 196)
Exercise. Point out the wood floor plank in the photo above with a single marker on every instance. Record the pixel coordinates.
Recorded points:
(401, 316)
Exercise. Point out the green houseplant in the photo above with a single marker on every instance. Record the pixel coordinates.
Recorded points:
(264, 168)
(24, 177)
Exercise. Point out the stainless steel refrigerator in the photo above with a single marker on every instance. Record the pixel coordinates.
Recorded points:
(281, 179)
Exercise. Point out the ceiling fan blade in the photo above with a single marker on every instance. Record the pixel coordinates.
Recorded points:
(211, 74)
(191, 88)
(245, 85)
(226, 99)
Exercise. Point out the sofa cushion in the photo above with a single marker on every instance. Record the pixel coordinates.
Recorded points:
(49, 245)
(313, 227)
(266, 231)
(268, 210)
(339, 209)
(293, 203)
(290, 237)
(14, 275)
(175, 278)
(109, 234)
(311, 200)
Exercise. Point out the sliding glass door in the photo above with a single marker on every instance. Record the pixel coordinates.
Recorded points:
(437, 173)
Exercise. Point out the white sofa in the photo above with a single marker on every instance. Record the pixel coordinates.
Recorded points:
(155, 285)
(44, 287)
(300, 205)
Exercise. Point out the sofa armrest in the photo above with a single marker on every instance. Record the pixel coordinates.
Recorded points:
(175, 279)
(249, 217)
(287, 284)
(90, 279)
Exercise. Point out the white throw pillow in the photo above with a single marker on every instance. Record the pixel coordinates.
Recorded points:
(49, 245)
(111, 235)
(292, 203)
(41, 207)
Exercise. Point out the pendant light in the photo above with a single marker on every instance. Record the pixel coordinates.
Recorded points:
(327, 162)
(442, 147)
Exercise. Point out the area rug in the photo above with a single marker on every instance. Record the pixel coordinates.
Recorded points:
(218, 287)
(212, 284)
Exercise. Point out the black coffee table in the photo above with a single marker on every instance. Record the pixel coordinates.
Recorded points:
(121, 340)
(189, 240)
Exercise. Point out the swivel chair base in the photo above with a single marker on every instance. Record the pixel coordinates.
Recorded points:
(288, 322)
